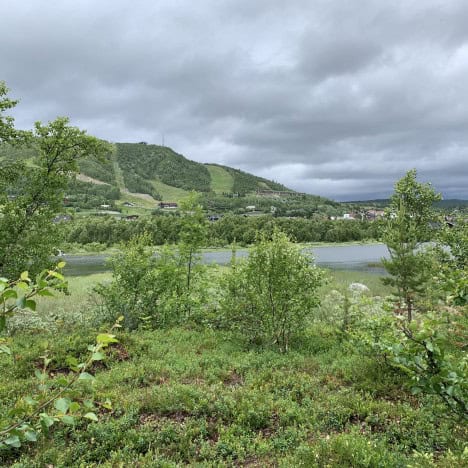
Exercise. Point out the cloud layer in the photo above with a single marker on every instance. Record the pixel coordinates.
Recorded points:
(333, 97)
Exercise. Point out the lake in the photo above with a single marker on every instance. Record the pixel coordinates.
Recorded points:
(343, 257)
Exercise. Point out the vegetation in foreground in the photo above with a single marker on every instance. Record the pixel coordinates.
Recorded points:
(204, 396)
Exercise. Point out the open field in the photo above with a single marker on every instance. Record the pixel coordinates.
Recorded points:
(169, 193)
(221, 180)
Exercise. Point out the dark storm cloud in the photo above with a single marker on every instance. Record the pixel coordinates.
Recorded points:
(338, 98)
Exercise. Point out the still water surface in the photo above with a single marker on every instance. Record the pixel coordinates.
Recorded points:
(347, 257)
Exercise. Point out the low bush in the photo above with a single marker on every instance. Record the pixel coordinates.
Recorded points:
(269, 296)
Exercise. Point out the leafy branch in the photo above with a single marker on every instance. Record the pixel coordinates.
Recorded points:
(35, 419)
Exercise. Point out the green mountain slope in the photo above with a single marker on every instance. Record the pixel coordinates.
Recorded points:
(142, 164)
(142, 174)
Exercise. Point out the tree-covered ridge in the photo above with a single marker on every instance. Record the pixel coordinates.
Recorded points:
(165, 175)
(141, 162)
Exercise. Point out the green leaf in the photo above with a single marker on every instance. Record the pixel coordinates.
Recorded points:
(55, 274)
(61, 265)
(429, 346)
(30, 401)
(97, 356)
(91, 416)
(69, 420)
(62, 405)
(4, 349)
(31, 436)
(13, 441)
(73, 363)
(74, 407)
(9, 294)
(46, 420)
(45, 292)
(30, 304)
(24, 276)
(39, 375)
(62, 381)
(107, 404)
(106, 338)
(86, 376)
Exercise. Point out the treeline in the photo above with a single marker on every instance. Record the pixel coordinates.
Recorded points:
(294, 206)
(229, 229)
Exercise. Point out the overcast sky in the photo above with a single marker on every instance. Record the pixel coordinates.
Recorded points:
(332, 97)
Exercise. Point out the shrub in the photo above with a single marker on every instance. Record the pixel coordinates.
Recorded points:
(269, 296)
(429, 351)
(144, 288)
(152, 291)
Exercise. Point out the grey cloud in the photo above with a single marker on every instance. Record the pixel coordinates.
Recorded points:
(327, 97)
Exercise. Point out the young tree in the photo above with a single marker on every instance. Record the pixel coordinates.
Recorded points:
(407, 227)
(270, 295)
(31, 193)
(193, 235)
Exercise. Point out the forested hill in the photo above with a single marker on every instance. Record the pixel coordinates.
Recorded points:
(159, 172)
(138, 175)
(149, 168)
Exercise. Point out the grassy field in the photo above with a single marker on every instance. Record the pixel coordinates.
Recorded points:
(202, 397)
(341, 280)
(221, 180)
(169, 193)
(138, 201)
